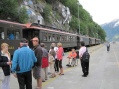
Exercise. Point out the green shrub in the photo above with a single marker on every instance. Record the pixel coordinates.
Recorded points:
(47, 12)
(9, 9)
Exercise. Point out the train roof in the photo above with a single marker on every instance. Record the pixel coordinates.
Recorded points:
(43, 27)
(47, 28)
(9, 22)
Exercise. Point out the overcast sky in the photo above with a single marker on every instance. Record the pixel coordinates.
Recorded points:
(102, 11)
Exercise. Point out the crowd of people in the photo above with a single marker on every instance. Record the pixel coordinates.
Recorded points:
(27, 61)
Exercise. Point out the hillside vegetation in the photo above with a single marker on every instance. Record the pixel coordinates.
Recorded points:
(84, 25)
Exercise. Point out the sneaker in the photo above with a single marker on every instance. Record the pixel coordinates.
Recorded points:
(43, 80)
(84, 75)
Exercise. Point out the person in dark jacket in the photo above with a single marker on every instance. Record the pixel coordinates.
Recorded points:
(37, 68)
(22, 64)
(5, 63)
(108, 47)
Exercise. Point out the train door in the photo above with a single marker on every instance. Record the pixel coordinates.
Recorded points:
(78, 42)
(29, 34)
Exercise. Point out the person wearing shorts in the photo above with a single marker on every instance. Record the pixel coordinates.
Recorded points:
(37, 69)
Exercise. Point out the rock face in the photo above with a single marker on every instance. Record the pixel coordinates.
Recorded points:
(65, 12)
(35, 10)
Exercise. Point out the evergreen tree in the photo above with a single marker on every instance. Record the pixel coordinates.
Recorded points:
(9, 10)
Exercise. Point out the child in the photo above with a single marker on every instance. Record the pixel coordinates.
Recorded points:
(51, 62)
(52, 51)
(72, 55)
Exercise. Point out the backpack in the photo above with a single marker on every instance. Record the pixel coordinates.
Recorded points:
(86, 56)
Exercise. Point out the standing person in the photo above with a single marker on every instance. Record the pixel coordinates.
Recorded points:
(84, 65)
(108, 46)
(22, 63)
(44, 72)
(60, 57)
(37, 68)
(56, 65)
(5, 63)
(51, 62)
(52, 51)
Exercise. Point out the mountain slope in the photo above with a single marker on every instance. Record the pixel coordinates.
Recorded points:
(112, 30)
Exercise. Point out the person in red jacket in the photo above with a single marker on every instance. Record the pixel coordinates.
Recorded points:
(60, 52)
(72, 57)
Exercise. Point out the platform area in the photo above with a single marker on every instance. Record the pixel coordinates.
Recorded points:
(103, 72)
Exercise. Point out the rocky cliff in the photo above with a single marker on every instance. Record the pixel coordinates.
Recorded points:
(38, 10)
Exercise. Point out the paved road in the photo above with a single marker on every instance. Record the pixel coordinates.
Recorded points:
(104, 72)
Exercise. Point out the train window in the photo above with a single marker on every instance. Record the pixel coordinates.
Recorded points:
(53, 37)
(2, 33)
(58, 38)
(45, 37)
(72, 38)
(17, 35)
(36, 33)
(49, 37)
(69, 38)
(13, 34)
(65, 38)
(62, 38)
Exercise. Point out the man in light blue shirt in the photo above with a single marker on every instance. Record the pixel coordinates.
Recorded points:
(22, 63)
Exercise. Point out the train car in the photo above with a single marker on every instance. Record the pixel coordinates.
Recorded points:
(10, 33)
(92, 41)
(85, 39)
(49, 36)
(97, 41)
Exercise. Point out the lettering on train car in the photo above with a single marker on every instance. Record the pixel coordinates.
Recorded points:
(11, 47)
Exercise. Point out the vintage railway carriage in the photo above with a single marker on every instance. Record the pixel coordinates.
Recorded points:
(92, 41)
(10, 33)
(97, 41)
(85, 39)
(49, 36)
